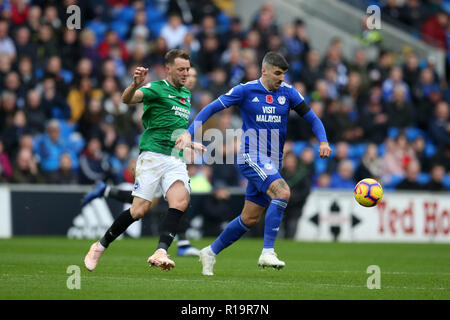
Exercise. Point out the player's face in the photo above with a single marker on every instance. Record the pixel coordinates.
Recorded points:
(192, 79)
(178, 72)
(274, 76)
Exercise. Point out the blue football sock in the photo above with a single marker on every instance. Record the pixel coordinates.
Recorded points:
(274, 215)
(234, 230)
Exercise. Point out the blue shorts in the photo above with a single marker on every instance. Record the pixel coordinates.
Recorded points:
(260, 176)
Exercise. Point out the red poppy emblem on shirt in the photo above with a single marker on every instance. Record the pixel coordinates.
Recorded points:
(269, 98)
(183, 100)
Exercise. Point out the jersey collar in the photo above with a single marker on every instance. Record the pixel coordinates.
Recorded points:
(260, 82)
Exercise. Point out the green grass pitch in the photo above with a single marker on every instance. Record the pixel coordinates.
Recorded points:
(36, 268)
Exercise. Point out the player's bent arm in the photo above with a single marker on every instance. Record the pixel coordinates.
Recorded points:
(132, 95)
(317, 127)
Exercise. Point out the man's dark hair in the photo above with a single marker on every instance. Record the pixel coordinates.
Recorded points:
(171, 55)
(276, 59)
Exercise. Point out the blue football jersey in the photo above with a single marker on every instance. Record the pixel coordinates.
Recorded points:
(264, 118)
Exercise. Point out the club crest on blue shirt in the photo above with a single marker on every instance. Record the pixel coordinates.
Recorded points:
(268, 166)
(281, 99)
(269, 98)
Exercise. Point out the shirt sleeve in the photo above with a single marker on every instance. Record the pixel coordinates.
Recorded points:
(295, 98)
(149, 91)
(233, 97)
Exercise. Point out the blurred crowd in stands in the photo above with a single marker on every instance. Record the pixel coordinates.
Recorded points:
(62, 119)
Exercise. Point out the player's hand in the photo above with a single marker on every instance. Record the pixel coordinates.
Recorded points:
(184, 141)
(198, 147)
(139, 76)
(324, 149)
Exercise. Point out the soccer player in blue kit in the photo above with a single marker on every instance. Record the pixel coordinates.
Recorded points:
(264, 104)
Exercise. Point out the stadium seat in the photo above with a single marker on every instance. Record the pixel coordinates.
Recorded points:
(446, 181)
(391, 182)
(413, 133)
(320, 165)
(423, 178)
(298, 147)
(126, 14)
(99, 29)
(121, 28)
(430, 149)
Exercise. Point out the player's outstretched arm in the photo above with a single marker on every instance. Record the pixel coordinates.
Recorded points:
(317, 127)
(185, 140)
(131, 94)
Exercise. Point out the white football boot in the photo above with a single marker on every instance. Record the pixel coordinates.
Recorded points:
(270, 259)
(208, 259)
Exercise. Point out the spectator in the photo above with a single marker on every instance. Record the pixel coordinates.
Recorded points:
(13, 133)
(399, 154)
(410, 181)
(93, 164)
(25, 169)
(437, 176)
(65, 174)
(110, 41)
(418, 144)
(46, 45)
(70, 50)
(53, 102)
(8, 102)
(341, 154)
(400, 112)
(375, 123)
(217, 210)
(311, 71)
(27, 77)
(119, 161)
(7, 46)
(343, 177)
(90, 122)
(370, 164)
(88, 46)
(120, 112)
(5, 165)
(323, 180)
(35, 112)
(79, 96)
(434, 30)
(395, 79)
(174, 31)
(440, 125)
(298, 175)
(50, 147)
(24, 45)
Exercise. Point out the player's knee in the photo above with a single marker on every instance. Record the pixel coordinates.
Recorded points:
(182, 204)
(138, 212)
(284, 194)
(250, 221)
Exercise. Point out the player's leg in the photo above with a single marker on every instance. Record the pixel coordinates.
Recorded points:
(176, 189)
(178, 198)
(143, 191)
(185, 249)
(279, 193)
(251, 213)
(101, 189)
(138, 209)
